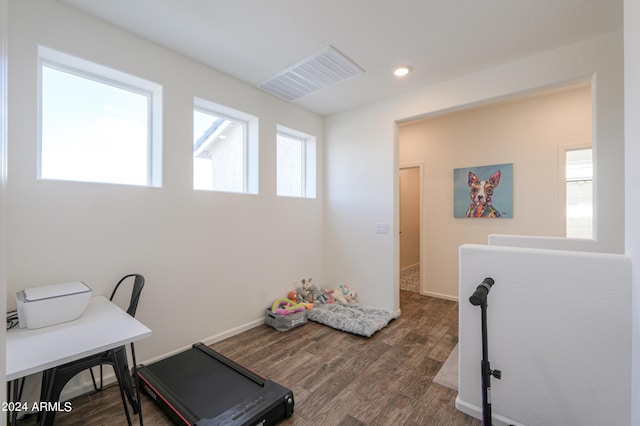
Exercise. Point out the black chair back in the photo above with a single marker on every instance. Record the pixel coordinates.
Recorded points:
(138, 284)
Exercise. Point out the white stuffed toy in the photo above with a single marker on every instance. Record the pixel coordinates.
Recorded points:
(344, 294)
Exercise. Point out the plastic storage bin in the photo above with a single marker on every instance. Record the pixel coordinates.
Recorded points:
(284, 323)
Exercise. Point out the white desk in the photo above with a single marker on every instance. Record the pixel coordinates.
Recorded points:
(102, 326)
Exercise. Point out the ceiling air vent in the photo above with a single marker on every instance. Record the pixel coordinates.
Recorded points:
(319, 71)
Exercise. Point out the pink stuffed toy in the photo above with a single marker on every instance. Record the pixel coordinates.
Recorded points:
(329, 295)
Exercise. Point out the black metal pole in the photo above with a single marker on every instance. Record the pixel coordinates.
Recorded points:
(479, 297)
(486, 368)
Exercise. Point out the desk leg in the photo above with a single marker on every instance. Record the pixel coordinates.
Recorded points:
(14, 394)
(46, 394)
(137, 383)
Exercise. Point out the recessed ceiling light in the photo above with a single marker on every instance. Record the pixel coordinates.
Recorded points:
(402, 71)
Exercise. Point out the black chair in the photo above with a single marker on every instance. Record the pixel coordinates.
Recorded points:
(54, 379)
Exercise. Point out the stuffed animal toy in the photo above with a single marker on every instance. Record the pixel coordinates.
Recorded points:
(313, 294)
(349, 294)
(293, 297)
(307, 289)
(328, 292)
(301, 295)
(318, 295)
(344, 294)
(337, 295)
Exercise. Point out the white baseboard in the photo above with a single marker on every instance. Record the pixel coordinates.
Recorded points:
(475, 411)
(440, 295)
(230, 333)
(410, 266)
(470, 409)
(210, 340)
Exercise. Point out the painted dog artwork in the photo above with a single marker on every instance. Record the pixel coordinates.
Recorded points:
(481, 194)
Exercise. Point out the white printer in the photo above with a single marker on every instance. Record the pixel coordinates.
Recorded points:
(53, 304)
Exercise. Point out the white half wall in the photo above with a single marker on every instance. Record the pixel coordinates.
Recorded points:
(362, 158)
(550, 243)
(559, 327)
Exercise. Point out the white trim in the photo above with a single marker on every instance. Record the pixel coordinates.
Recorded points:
(562, 186)
(210, 340)
(309, 160)
(87, 70)
(250, 126)
(475, 411)
(233, 332)
(440, 295)
(409, 267)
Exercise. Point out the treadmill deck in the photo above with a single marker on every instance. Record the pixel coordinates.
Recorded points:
(200, 386)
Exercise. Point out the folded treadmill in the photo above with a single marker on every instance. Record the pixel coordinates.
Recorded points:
(203, 387)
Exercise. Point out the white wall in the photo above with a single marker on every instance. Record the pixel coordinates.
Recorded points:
(632, 180)
(361, 192)
(3, 182)
(527, 133)
(213, 261)
(362, 156)
(558, 325)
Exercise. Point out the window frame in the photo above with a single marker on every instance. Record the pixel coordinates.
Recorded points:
(562, 193)
(250, 158)
(58, 61)
(308, 162)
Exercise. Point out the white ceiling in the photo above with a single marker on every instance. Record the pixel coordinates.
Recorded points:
(253, 40)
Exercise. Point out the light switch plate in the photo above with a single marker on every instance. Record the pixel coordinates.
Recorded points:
(382, 228)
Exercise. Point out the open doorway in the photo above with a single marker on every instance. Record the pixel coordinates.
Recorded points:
(410, 228)
(487, 135)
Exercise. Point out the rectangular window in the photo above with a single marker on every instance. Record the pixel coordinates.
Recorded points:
(96, 124)
(579, 193)
(223, 149)
(296, 163)
(290, 166)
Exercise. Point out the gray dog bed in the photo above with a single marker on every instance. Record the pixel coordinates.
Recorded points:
(353, 317)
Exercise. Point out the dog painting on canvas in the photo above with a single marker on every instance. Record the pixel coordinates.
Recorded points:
(481, 194)
(483, 191)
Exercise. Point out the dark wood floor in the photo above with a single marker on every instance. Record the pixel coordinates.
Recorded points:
(336, 378)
